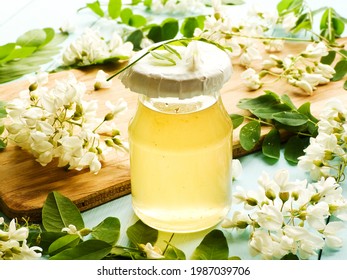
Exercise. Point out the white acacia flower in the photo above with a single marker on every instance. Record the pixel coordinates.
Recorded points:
(325, 70)
(303, 84)
(152, 252)
(261, 242)
(317, 214)
(269, 217)
(239, 220)
(101, 80)
(289, 21)
(236, 169)
(329, 232)
(314, 51)
(251, 79)
(272, 46)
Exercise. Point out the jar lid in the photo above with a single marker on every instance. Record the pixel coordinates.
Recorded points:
(202, 69)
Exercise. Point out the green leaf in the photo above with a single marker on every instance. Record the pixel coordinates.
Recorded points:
(59, 212)
(137, 21)
(188, 26)
(294, 148)
(345, 85)
(173, 253)
(340, 69)
(328, 59)
(135, 38)
(266, 100)
(290, 118)
(125, 15)
(272, 144)
(286, 100)
(5, 50)
(50, 33)
(108, 230)
(63, 243)
(312, 126)
(32, 38)
(250, 135)
(95, 7)
(17, 68)
(18, 53)
(155, 33)
(88, 250)
(114, 8)
(47, 238)
(2, 145)
(338, 25)
(237, 120)
(172, 50)
(140, 233)
(169, 28)
(3, 112)
(290, 256)
(214, 246)
(268, 112)
(163, 57)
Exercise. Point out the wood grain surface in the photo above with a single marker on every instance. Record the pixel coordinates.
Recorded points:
(25, 184)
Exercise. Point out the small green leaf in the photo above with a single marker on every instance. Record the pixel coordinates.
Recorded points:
(286, 100)
(63, 243)
(172, 50)
(312, 126)
(290, 118)
(272, 144)
(328, 59)
(59, 212)
(340, 69)
(214, 246)
(32, 38)
(236, 119)
(338, 25)
(155, 33)
(345, 85)
(170, 28)
(163, 57)
(47, 238)
(2, 145)
(87, 250)
(188, 26)
(173, 253)
(50, 33)
(125, 15)
(140, 233)
(135, 38)
(250, 135)
(3, 112)
(96, 8)
(18, 53)
(108, 230)
(114, 8)
(294, 148)
(137, 21)
(290, 256)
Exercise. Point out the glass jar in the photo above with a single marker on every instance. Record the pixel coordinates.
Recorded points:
(181, 144)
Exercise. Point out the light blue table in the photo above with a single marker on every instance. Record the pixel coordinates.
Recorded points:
(19, 16)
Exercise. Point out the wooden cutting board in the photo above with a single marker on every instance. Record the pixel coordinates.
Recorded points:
(25, 183)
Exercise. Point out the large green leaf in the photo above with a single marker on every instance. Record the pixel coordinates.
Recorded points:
(272, 144)
(140, 233)
(59, 212)
(250, 135)
(214, 246)
(17, 68)
(63, 243)
(108, 230)
(294, 148)
(290, 118)
(88, 250)
(32, 38)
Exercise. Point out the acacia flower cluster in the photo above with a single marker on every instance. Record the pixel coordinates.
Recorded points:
(13, 242)
(304, 71)
(326, 154)
(290, 217)
(59, 123)
(176, 7)
(92, 48)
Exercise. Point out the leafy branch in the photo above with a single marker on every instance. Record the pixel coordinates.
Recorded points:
(65, 236)
(280, 115)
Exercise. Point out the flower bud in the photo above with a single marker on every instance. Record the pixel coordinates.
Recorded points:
(270, 194)
(251, 201)
(284, 196)
(295, 196)
(315, 198)
(117, 141)
(302, 215)
(33, 86)
(85, 231)
(109, 117)
(241, 224)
